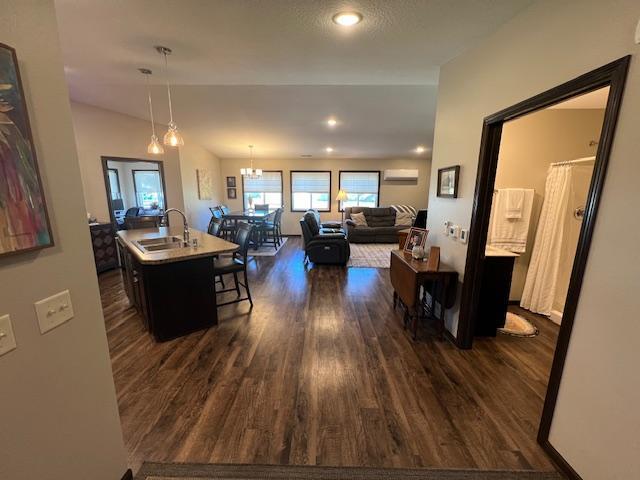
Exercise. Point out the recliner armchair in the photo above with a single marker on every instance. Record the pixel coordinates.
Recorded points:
(323, 245)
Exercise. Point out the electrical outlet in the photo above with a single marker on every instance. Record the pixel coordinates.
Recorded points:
(452, 231)
(54, 311)
(7, 338)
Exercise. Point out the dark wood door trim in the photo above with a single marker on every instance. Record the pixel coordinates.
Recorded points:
(107, 185)
(613, 75)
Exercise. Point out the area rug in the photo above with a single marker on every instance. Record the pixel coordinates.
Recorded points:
(267, 250)
(177, 471)
(518, 326)
(371, 255)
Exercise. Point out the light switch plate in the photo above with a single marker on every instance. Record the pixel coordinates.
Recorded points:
(54, 311)
(464, 235)
(7, 338)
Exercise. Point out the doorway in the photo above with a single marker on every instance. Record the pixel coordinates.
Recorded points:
(135, 189)
(613, 76)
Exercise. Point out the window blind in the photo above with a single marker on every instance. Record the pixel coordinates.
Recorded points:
(360, 182)
(311, 182)
(269, 182)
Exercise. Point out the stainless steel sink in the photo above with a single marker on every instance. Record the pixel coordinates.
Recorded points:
(159, 244)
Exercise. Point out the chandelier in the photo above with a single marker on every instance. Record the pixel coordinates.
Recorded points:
(250, 172)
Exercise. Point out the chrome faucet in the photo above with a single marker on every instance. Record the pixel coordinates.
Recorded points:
(185, 233)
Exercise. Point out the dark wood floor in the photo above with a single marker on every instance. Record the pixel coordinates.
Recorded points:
(321, 372)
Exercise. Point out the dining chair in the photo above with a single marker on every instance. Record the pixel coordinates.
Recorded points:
(225, 210)
(270, 230)
(228, 228)
(236, 264)
(215, 226)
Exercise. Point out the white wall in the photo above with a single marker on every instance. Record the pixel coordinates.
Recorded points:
(194, 157)
(414, 193)
(101, 132)
(596, 422)
(59, 418)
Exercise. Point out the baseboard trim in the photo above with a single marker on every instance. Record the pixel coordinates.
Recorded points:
(128, 475)
(559, 460)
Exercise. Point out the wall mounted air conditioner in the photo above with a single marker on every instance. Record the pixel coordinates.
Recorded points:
(401, 174)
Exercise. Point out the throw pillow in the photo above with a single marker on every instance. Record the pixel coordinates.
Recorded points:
(404, 219)
(359, 219)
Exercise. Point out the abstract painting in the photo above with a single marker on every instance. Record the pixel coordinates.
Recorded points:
(24, 223)
(205, 184)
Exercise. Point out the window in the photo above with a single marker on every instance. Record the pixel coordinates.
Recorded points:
(148, 189)
(114, 183)
(310, 190)
(266, 190)
(362, 188)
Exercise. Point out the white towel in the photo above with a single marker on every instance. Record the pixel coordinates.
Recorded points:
(509, 233)
(514, 202)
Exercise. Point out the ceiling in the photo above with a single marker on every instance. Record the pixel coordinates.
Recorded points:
(271, 72)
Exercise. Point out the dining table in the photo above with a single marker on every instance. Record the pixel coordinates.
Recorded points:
(250, 216)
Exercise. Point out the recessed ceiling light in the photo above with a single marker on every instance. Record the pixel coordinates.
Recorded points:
(347, 19)
(420, 149)
(328, 149)
(332, 122)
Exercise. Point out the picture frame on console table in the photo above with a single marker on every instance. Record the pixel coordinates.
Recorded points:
(24, 221)
(417, 237)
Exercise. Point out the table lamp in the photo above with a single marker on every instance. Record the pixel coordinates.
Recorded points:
(342, 195)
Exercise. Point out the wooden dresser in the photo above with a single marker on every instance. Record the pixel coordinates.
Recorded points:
(103, 241)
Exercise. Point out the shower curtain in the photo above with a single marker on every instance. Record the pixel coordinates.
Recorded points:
(542, 276)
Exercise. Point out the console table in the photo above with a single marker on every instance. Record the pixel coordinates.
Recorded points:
(408, 275)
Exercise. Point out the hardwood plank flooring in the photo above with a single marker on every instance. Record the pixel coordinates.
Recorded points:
(320, 372)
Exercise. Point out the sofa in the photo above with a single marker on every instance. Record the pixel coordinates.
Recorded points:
(323, 243)
(380, 227)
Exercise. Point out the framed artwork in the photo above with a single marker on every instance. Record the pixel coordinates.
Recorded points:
(417, 238)
(231, 182)
(448, 179)
(24, 222)
(231, 193)
(205, 184)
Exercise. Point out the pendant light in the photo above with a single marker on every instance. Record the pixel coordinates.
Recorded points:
(155, 147)
(172, 138)
(250, 173)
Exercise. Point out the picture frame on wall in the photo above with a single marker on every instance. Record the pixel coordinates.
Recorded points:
(231, 182)
(231, 193)
(417, 237)
(448, 179)
(24, 220)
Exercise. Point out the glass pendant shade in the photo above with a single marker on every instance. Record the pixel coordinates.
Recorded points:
(155, 147)
(173, 138)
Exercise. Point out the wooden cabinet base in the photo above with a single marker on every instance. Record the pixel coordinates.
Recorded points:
(173, 299)
(180, 297)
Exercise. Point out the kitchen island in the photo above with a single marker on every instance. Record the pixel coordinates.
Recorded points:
(170, 282)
